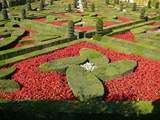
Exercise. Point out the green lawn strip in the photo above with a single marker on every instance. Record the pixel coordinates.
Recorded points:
(5, 54)
(130, 108)
(128, 47)
(6, 72)
(9, 40)
(37, 52)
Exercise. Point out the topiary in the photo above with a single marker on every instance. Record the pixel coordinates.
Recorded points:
(5, 14)
(71, 29)
(157, 5)
(99, 27)
(92, 7)
(41, 4)
(134, 8)
(142, 13)
(23, 14)
(28, 5)
(149, 4)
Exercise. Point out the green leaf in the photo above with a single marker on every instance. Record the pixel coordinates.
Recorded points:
(62, 64)
(94, 56)
(6, 72)
(115, 69)
(8, 85)
(84, 84)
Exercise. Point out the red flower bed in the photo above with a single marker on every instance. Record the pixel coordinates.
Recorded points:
(143, 84)
(58, 23)
(129, 36)
(124, 19)
(84, 28)
(40, 19)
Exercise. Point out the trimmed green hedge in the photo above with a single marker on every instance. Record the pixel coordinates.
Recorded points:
(10, 40)
(35, 51)
(22, 50)
(7, 72)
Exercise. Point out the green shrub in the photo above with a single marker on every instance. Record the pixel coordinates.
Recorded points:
(71, 29)
(149, 4)
(5, 14)
(92, 7)
(61, 64)
(99, 27)
(8, 85)
(84, 85)
(23, 14)
(134, 8)
(5, 73)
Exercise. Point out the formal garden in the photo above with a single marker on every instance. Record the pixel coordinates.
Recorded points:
(79, 59)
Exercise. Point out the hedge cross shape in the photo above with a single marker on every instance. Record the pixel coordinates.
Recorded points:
(85, 73)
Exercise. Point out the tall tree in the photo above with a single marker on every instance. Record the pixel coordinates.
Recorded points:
(99, 27)
(5, 14)
(23, 14)
(107, 2)
(28, 5)
(69, 8)
(51, 2)
(142, 13)
(157, 5)
(42, 2)
(93, 7)
(134, 7)
(71, 29)
(121, 7)
(4, 4)
(149, 4)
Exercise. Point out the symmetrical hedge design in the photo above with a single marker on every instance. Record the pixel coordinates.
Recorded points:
(86, 84)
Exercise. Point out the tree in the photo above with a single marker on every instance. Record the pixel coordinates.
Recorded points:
(107, 2)
(149, 4)
(5, 14)
(75, 3)
(71, 29)
(85, 4)
(134, 8)
(69, 8)
(41, 4)
(28, 5)
(157, 5)
(142, 13)
(121, 7)
(51, 2)
(4, 4)
(23, 14)
(99, 27)
(92, 7)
